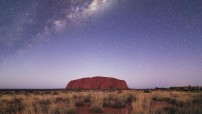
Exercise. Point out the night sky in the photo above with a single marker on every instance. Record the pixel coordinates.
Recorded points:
(147, 43)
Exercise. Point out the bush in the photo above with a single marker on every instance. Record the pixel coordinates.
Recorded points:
(96, 109)
(130, 98)
(86, 99)
(79, 103)
(118, 104)
(70, 111)
(44, 102)
(146, 91)
(54, 93)
(61, 100)
(64, 110)
(106, 104)
(167, 110)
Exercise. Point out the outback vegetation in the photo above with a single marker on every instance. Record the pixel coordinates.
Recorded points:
(104, 102)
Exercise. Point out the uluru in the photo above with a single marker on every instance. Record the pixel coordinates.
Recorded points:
(97, 82)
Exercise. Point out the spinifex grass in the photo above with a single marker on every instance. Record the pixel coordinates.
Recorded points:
(152, 102)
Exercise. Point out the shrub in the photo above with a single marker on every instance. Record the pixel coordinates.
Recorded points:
(44, 102)
(167, 110)
(106, 104)
(61, 100)
(130, 98)
(64, 110)
(70, 110)
(118, 104)
(96, 109)
(79, 103)
(47, 92)
(55, 93)
(146, 91)
(86, 99)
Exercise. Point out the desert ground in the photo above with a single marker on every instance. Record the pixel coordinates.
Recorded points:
(100, 101)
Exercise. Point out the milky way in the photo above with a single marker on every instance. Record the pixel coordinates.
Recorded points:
(28, 22)
(148, 43)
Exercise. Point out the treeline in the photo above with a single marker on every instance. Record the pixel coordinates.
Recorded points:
(187, 88)
(182, 88)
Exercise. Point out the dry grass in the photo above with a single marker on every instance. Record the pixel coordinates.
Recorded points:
(66, 102)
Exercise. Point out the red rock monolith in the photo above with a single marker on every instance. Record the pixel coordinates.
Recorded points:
(97, 82)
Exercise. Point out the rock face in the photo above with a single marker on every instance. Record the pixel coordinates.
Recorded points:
(97, 82)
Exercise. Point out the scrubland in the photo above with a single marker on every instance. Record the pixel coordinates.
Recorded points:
(104, 102)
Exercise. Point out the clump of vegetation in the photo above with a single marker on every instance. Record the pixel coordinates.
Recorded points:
(54, 93)
(96, 109)
(70, 111)
(106, 104)
(62, 109)
(165, 99)
(119, 101)
(44, 102)
(13, 106)
(61, 100)
(86, 99)
(79, 103)
(168, 110)
(130, 98)
(118, 104)
(142, 104)
(42, 105)
(146, 91)
(197, 99)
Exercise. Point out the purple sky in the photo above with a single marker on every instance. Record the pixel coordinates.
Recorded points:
(45, 44)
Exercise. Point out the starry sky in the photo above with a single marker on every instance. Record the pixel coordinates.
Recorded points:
(147, 43)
